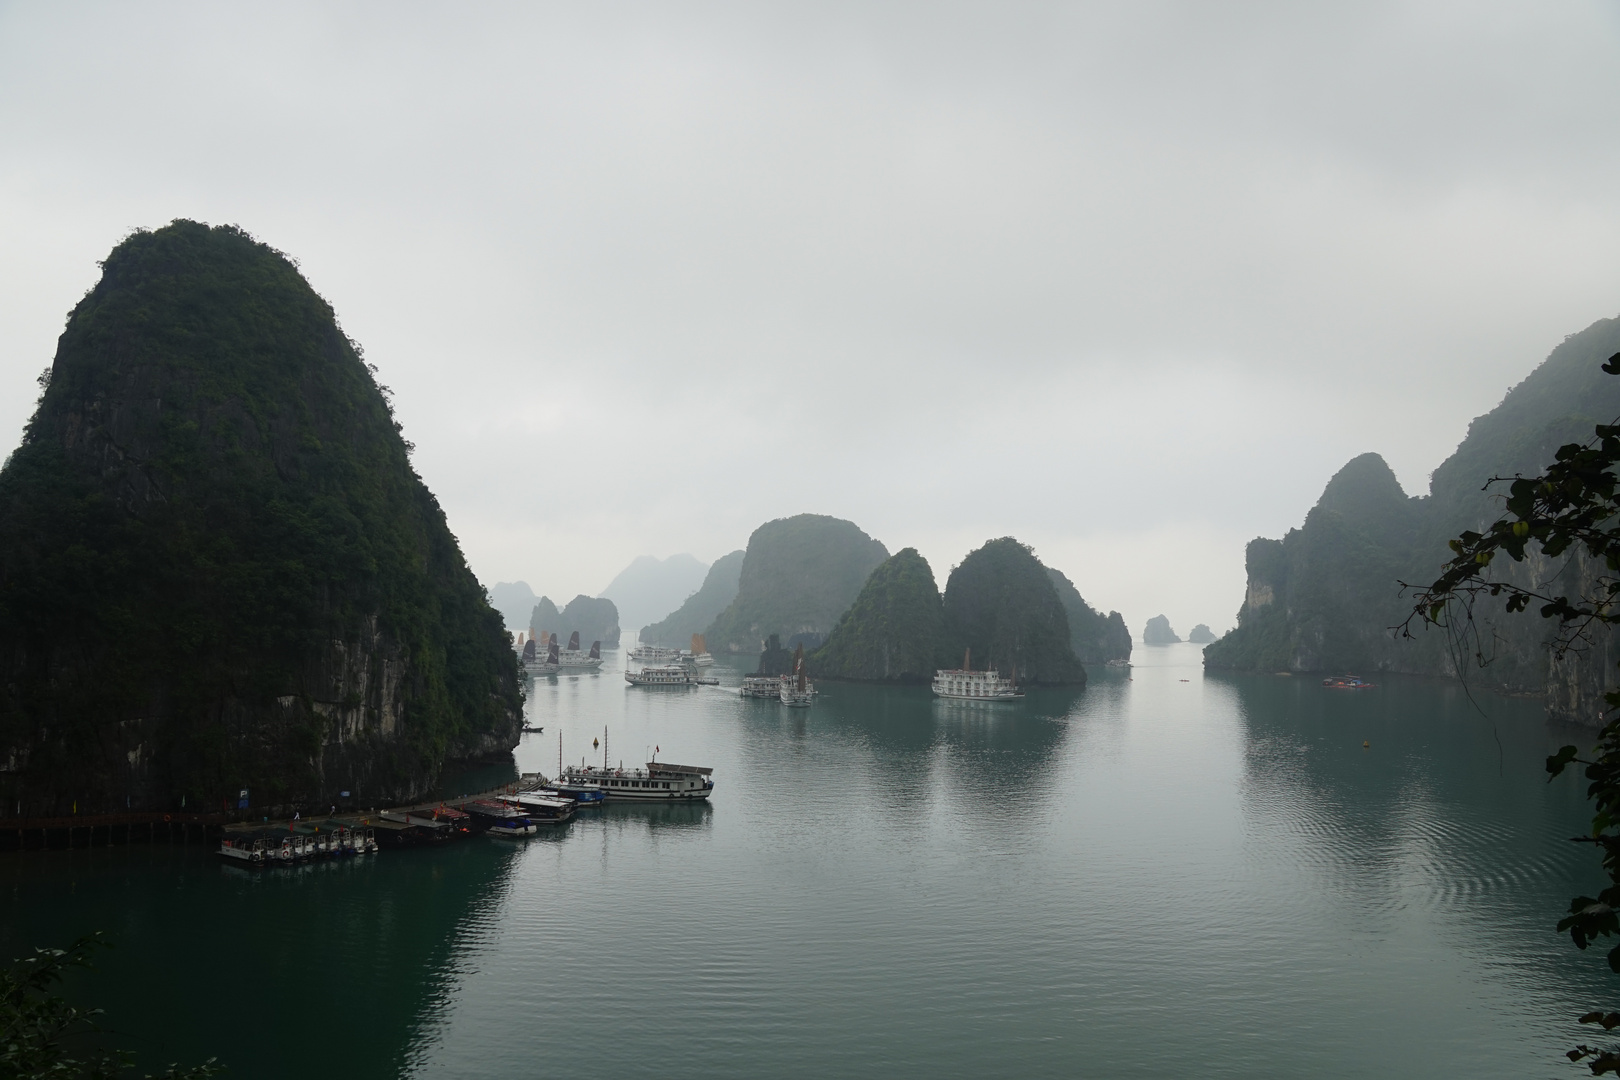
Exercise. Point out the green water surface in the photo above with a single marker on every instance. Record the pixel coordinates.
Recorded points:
(1166, 873)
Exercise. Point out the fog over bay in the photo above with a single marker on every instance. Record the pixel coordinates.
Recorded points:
(1127, 282)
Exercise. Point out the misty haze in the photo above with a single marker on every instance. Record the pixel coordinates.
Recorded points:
(780, 540)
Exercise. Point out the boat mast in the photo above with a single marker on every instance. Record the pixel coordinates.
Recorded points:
(604, 748)
(967, 658)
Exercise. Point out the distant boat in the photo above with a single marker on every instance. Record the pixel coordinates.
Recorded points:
(762, 686)
(969, 685)
(797, 691)
(700, 652)
(549, 666)
(572, 659)
(1348, 682)
(654, 654)
(661, 675)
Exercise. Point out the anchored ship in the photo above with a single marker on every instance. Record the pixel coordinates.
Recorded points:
(654, 654)
(657, 782)
(699, 655)
(762, 686)
(797, 691)
(661, 675)
(572, 659)
(970, 685)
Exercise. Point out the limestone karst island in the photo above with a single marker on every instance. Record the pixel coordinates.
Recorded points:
(809, 541)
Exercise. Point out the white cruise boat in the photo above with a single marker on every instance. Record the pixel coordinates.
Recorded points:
(762, 686)
(533, 665)
(661, 675)
(699, 656)
(654, 654)
(797, 691)
(572, 659)
(969, 685)
(658, 782)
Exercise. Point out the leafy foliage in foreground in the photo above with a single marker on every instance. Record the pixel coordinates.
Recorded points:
(40, 1030)
(1571, 509)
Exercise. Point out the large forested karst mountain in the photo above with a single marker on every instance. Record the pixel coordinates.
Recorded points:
(894, 631)
(699, 611)
(1094, 638)
(1324, 597)
(798, 576)
(218, 569)
(1001, 603)
(650, 587)
(596, 619)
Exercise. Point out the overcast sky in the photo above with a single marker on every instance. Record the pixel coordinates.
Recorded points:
(1128, 282)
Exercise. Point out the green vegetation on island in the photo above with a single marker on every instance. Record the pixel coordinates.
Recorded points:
(596, 619)
(699, 611)
(1326, 596)
(1158, 632)
(798, 576)
(895, 630)
(1094, 638)
(218, 570)
(1001, 603)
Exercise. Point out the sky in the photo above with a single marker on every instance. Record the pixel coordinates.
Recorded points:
(1126, 281)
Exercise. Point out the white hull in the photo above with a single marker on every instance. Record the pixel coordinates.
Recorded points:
(656, 783)
(974, 686)
(659, 676)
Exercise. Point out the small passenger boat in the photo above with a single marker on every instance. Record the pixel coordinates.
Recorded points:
(660, 675)
(659, 781)
(797, 692)
(499, 819)
(1348, 682)
(762, 686)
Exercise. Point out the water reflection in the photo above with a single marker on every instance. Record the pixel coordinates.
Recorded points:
(207, 954)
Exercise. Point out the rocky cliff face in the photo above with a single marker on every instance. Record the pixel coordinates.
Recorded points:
(1325, 597)
(893, 632)
(1095, 638)
(217, 568)
(798, 576)
(1001, 603)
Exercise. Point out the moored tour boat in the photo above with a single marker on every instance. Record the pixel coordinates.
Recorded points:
(660, 675)
(653, 654)
(499, 819)
(572, 659)
(969, 685)
(762, 686)
(1348, 682)
(659, 781)
(797, 691)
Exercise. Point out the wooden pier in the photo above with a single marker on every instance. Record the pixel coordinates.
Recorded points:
(173, 827)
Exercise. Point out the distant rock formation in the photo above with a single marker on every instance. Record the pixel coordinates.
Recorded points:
(798, 576)
(514, 600)
(1201, 635)
(1001, 603)
(650, 588)
(698, 613)
(218, 569)
(894, 631)
(545, 618)
(775, 659)
(596, 619)
(1325, 596)
(1158, 632)
(1094, 638)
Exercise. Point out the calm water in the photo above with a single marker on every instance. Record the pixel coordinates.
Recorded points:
(1165, 874)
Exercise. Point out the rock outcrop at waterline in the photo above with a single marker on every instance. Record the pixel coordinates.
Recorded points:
(1326, 596)
(1095, 638)
(1159, 632)
(218, 570)
(895, 630)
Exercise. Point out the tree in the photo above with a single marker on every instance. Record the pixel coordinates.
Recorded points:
(38, 1025)
(1573, 509)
